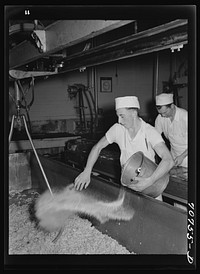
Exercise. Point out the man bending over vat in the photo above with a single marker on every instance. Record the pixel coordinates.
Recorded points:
(132, 134)
(172, 121)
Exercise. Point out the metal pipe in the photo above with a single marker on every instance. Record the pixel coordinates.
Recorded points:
(82, 107)
(11, 128)
(95, 113)
(95, 90)
(90, 108)
(94, 86)
(43, 173)
(17, 93)
(26, 106)
(157, 73)
(135, 27)
(35, 24)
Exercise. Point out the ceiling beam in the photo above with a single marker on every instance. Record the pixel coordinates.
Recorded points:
(155, 39)
(60, 35)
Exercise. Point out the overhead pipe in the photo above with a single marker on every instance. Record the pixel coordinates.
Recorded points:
(157, 73)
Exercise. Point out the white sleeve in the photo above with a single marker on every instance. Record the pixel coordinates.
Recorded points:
(154, 137)
(158, 124)
(111, 134)
(185, 117)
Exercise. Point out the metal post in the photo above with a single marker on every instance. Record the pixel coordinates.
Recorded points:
(11, 128)
(36, 155)
(157, 73)
(62, 228)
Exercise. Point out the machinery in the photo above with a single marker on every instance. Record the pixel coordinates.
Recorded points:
(76, 153)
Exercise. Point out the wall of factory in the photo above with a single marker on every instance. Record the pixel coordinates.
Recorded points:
(136, 76)
(131, 76)
(52, 109)
(52, 99)
(173, 67)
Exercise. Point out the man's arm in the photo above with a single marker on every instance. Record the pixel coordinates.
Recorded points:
(158, 124)
(165, 164)
(83, 178)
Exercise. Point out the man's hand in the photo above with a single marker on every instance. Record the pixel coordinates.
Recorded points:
(82, 180)
(178, 160)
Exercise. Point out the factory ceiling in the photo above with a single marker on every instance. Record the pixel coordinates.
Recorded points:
(42, 47)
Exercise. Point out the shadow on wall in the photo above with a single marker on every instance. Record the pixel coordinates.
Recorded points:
(108, 118)
(151, 112)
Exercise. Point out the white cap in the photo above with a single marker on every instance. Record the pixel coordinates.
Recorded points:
(164, 99)
(127, 102)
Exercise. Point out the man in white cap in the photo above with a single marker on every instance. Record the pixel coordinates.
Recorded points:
(172, 121)
(132, 134)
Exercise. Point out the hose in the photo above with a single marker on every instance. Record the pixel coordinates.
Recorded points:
(90, 108)
(81, 106)
(96, 115)
(83, 109)
(80, 110)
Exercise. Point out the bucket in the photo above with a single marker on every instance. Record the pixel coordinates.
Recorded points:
(140, 166)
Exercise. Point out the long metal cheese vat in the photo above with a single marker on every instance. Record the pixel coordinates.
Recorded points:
(156, 227)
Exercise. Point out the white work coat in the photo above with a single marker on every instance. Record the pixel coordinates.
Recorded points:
(176, 132)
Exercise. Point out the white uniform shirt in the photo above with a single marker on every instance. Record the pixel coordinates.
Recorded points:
(145, 140)
(176, 132)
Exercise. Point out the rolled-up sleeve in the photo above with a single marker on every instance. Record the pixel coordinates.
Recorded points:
(111, 134)
(158, 124)
(154, 136)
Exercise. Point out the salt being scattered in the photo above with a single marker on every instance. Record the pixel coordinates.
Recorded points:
(52, 211)
(78, 237)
